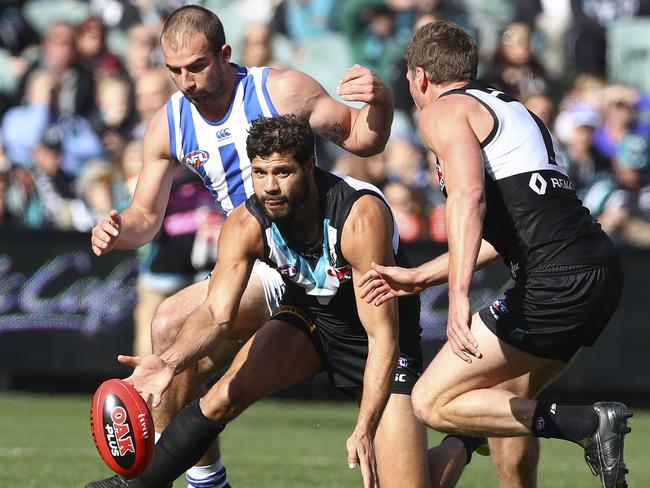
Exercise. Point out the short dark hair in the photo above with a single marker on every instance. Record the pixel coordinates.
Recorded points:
(190, 20)
(445, 51)
(282, 134)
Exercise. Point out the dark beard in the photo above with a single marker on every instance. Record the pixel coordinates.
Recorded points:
(294, 207)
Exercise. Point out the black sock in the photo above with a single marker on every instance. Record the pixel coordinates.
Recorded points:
(181, 445)
(564, 422)
(470, 443)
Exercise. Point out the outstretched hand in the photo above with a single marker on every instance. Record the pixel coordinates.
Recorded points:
(106, 233)
(361, 452)
(151, 376)
(361, 84)
(381, 283)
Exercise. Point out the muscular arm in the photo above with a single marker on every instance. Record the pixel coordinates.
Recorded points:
(361, 131)
(370, 223)
(240, 243)
(143, 218)
(446, 128)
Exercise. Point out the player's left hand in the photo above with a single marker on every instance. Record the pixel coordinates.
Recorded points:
(361, 84)
(151, 376)
(361, 452)
(460, 337)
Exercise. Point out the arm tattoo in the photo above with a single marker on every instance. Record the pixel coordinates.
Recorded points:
(337, 134)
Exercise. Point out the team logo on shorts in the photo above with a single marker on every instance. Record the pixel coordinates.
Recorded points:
(196, 158)
(402, 362)
(500, 306)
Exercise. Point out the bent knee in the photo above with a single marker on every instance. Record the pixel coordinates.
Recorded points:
(165, 326)
(431, 410)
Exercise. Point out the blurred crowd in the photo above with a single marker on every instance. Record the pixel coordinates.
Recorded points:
(80, 79)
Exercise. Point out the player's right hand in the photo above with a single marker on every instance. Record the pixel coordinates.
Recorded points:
(106, 233)
(361, 452)
(151, 376)
(381, 283)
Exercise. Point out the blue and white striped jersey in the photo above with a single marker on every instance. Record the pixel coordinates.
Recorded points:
(216, 151)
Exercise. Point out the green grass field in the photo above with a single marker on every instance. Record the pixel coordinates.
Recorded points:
(45, 441)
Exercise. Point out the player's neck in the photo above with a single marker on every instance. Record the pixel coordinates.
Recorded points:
(439, 90)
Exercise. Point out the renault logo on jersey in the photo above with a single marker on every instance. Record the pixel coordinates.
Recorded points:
(223, 133)
(196, 158)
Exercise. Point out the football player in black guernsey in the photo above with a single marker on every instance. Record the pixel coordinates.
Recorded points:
(320, 231)
(509, 198)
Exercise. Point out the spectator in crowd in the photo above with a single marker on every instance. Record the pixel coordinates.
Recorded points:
(117, 14)
(407, 208)
(114, 118)
(130, 163)
(405, 162)
(515, 68)
(53, 186)
(23, 124)
(542, 105)
(140, 52)
(299, 19)
(74, 82)
(93, 52)
(16, 34)
(618, 118)
(152, 90)
(588, 169)
(22, 199)
(257, 46)
(94, 192)
(7, 219)
(550, 19)
(374, 37)
(627, 210)
(587, 51)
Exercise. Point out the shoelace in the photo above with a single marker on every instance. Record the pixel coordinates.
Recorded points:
(591, 458)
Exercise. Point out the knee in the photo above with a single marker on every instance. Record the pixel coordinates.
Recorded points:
(429, 408)
(164, 327)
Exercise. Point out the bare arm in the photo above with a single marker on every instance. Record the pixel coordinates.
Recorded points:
(381, 283)
(436, 271)
(370, 223)
(447, 131)
(240, 243)
(363, 131)
(139, 223)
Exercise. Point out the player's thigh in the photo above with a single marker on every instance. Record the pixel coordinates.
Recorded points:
(401, 446)
(448, 376)
(530, 384)
(276, 356)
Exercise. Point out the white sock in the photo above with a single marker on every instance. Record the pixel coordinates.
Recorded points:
(212, 476)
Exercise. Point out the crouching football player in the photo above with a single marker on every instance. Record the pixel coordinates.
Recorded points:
(320, 231)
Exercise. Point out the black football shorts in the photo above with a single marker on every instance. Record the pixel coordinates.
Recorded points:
(555, 311)
(343, 358)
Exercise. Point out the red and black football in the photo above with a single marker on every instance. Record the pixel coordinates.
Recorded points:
(122, 427)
